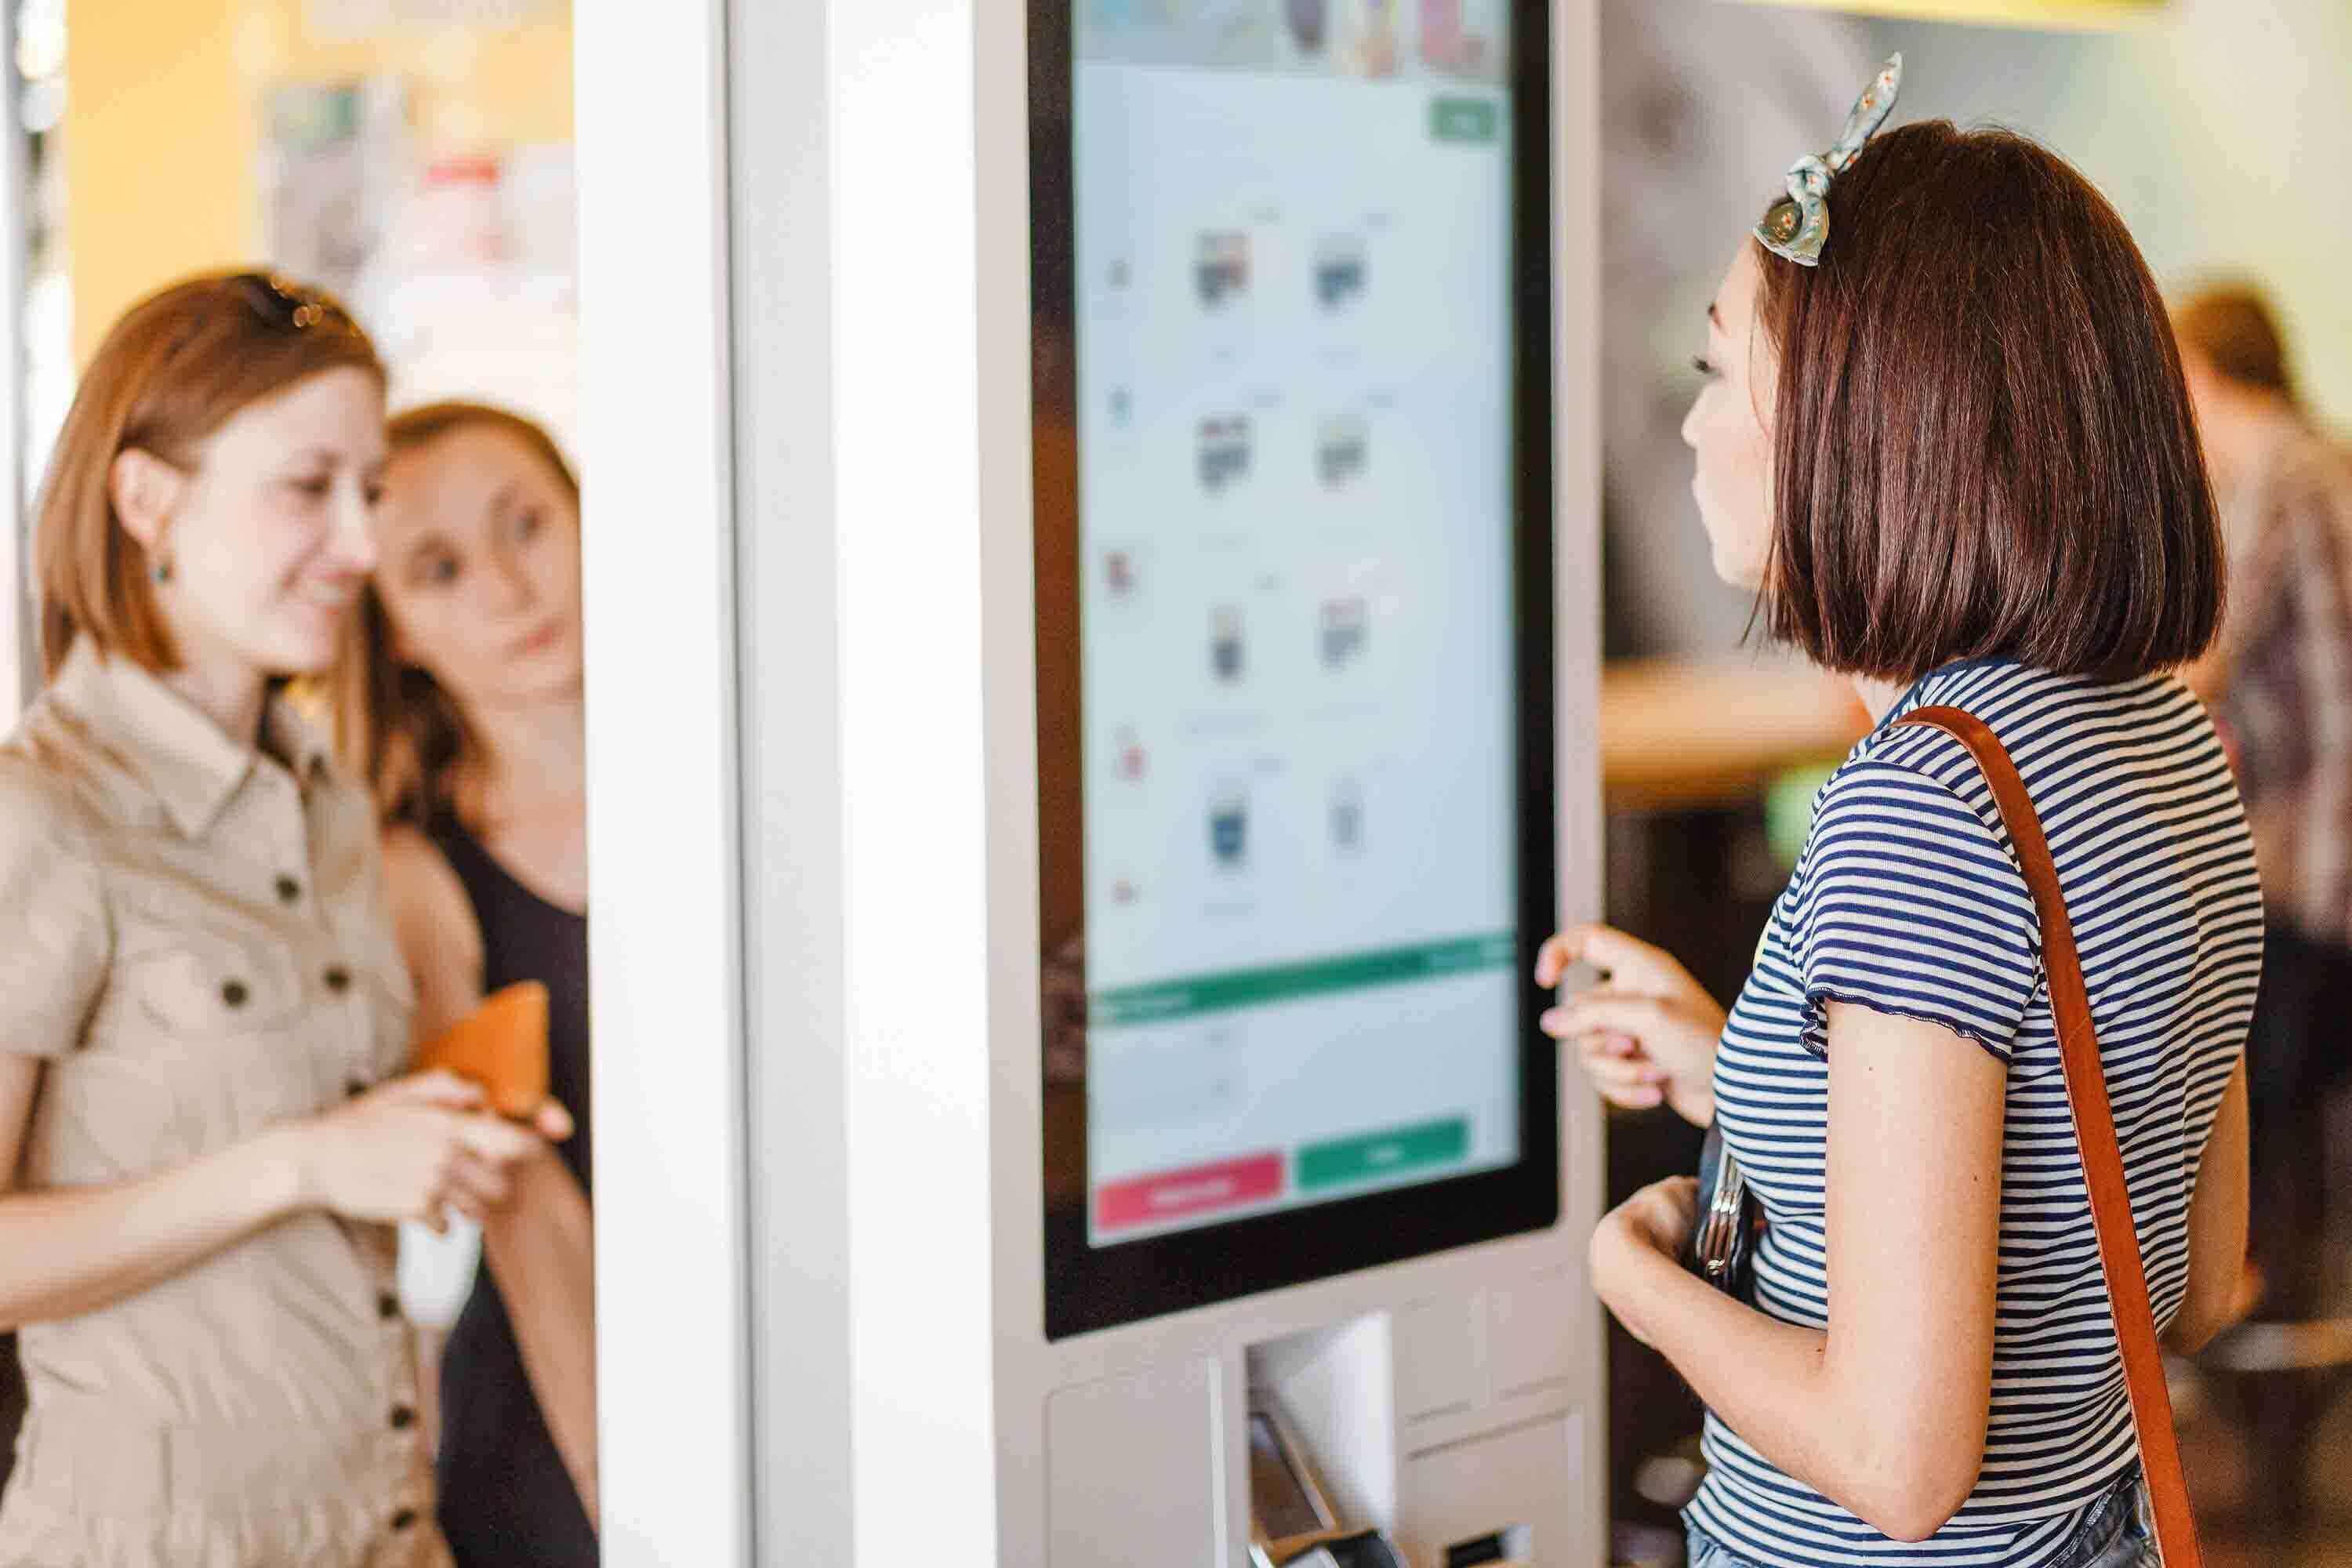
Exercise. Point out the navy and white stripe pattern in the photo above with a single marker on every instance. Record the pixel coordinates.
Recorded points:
(1907, 900)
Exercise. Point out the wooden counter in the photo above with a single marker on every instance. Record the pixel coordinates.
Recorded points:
(1689, 735)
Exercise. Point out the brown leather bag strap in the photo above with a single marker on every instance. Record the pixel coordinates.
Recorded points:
(2094, 1130)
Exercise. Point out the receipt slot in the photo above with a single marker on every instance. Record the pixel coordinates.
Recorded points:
(1155, 676)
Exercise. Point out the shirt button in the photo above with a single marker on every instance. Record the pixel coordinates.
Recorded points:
(387, 1306)
(232, 993)
(403, 1417)
(289, 890)
(339, 979)
(404, 1518)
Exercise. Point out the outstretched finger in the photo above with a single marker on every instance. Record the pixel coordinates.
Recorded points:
(1630, 963)
(1594, 1012)
(1566, 1026)
(1610, 1073)
(1626, 961)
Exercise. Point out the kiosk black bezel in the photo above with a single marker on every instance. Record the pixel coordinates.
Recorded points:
(1088, 1289)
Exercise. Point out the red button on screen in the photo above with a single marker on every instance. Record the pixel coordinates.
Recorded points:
(1175, 1194)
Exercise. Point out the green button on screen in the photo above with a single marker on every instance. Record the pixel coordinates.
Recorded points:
(1464, 118)
(1372, 1155)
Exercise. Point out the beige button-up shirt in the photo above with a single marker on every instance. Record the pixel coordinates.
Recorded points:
(194, 938)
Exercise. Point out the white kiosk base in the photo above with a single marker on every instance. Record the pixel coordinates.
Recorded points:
(1455, 1407)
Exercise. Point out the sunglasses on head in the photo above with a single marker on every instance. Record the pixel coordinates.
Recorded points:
(288, 306)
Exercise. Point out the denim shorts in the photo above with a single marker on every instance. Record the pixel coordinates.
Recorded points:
(2118, 1532)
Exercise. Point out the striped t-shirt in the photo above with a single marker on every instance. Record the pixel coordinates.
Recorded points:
(1907, 900)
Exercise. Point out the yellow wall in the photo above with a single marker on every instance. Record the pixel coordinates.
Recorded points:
(159, 152)
(162, 122)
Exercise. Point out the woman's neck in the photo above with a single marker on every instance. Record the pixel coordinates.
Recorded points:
(1878, 697)
(533, 763)
(528, 796)
(229, 692)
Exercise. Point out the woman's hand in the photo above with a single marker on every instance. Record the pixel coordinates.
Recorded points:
(1647, 1034)
(1657, 1219)
(411, 1150)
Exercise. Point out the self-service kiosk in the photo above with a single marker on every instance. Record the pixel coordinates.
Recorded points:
(1311, 1252)
(1159, 651)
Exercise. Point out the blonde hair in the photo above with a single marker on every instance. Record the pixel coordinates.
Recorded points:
(395, 726)
(178, 365)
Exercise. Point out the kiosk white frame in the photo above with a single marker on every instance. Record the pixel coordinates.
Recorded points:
(664, 909)
(813, 814)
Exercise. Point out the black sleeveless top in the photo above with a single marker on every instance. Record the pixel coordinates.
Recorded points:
(506, 1499)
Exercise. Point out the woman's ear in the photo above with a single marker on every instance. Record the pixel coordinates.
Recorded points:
(145, 489)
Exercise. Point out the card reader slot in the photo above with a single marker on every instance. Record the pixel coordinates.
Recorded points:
(1509, 1544)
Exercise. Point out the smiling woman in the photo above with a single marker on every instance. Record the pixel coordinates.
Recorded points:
(205, 1128)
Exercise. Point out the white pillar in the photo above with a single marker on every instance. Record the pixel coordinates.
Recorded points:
(665, 982)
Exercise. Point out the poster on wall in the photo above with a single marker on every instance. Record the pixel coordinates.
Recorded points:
(333, 156)
(474, 293)
(462, 266)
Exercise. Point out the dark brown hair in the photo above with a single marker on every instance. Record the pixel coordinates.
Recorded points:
(394, 725)
(2231, 325)
(179, 364)
(1983, 446)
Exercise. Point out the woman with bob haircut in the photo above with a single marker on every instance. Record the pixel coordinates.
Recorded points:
(1944, 436)
(205, 1134)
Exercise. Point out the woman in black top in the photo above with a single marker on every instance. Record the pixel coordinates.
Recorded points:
(464, 707)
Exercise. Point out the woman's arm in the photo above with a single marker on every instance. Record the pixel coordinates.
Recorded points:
(538, 1244)
(397, 1152)
(1886, 1412)
(432, 921)
(67, 1252)
(2216, 1227)
(540, 1248)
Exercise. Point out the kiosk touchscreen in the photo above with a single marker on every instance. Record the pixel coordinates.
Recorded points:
(1292, 281)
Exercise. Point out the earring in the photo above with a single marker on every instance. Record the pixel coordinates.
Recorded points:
(163, 569)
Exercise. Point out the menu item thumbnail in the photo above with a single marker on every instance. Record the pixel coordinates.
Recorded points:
(1368, 36)
(1119, 572)
(1347, 817)
(1221, 266)
(1224, 451)
(1307, 19)
(1343, 632)
(1229, 827)
(1458, 37)
(1130, 762)
(1226, 644)
(1341, 449)
(1341, 270)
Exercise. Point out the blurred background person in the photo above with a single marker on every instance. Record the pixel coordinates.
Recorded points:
(2280, 681)
(462, 704)
(2279, 677)
(203, 1136)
